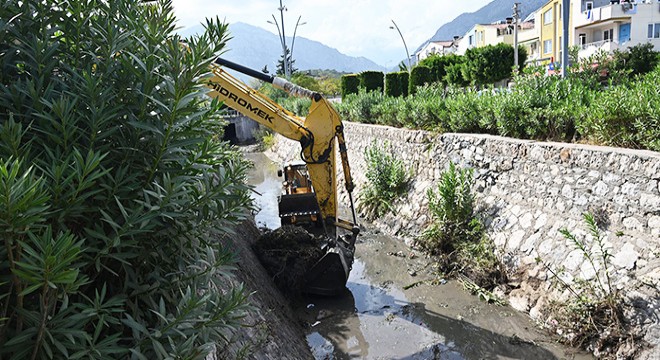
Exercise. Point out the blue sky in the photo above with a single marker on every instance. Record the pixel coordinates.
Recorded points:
(354, 27)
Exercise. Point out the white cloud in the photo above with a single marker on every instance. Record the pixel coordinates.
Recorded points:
(354, 27)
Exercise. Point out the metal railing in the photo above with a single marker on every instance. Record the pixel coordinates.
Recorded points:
(599, 44)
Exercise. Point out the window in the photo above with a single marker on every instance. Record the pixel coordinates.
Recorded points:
(589, 5)
(583, 39)
(559, 12)
(654, 31)
(547, 46)
(547, 17)
(471, 40)
(608, 35)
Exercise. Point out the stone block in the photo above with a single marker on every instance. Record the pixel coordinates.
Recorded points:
(600, 188)
(630, 189)
(515, 240)
(650, 203)
(611, 178)
(567, 191)
(526, 220)
(573, 260)
(631, 223)
(654, 222)
(626, 257)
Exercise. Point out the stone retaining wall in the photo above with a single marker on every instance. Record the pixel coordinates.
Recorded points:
(531, 190)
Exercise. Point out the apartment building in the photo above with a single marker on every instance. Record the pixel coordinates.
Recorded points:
(602, 25)
(437, 47)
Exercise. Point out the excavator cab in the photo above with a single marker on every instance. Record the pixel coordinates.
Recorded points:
(297, 204)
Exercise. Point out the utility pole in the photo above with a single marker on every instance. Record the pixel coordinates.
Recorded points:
(516, 18)
(566, 13)
(404, 44)
(286, 58)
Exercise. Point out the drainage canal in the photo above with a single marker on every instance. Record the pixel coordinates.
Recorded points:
(395, 308)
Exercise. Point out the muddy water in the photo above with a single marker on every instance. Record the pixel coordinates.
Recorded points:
(395, 308)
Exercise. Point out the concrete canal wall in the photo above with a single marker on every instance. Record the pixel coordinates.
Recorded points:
(530, 191)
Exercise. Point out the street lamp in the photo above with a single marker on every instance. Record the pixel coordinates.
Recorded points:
(404, 44)
(280, 31)
(293, 41)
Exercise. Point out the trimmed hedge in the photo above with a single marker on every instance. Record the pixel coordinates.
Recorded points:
(404, 78)
(419, 76)
(392, 87)
(349, 85)
(372, 80)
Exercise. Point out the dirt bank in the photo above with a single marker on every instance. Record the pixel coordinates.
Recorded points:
(272, 331)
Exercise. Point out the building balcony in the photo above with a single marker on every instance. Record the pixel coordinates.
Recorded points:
(612, 12)
(592, 48)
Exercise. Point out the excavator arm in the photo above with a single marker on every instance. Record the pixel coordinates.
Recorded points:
(316, 133)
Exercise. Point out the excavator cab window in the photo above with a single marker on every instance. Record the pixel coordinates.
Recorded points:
(297, 179)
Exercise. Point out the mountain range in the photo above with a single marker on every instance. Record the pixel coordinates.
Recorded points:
(494, 11)
(255, 48)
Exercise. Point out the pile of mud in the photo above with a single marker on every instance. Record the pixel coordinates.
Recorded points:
(288, 253)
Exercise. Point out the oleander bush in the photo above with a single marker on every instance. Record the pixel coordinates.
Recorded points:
(599, 103)
(114, 185)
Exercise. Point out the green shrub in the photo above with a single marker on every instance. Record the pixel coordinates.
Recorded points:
(392, 87)
(361, 107)
(404, 79)
(298, 106)
(452, 209)
(469, 111)
(593, 316)
(439, 65)
(265, 137)
(387, 180)
(420, 75)
(639, 59)
(455, 76)
(456, 233)
(626, 115)
(372, 80)
(349, 85)
(114, 187)
(490, 64)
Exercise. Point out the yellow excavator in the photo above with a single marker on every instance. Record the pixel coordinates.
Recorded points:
(310, 187)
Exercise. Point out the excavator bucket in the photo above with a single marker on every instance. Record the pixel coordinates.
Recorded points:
(329, 275)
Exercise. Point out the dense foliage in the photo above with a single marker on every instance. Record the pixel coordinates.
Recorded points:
(349, 85)
(490, 64)
(456, 232)
(404, 79)
(113, 185)
(439, 65)
(392, 85)
(396, 84)
(419, 76)
(372, 80)
(620, 110)
(387, 180)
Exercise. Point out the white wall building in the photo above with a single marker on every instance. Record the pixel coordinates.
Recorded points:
(616, 26)
(437, 47)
